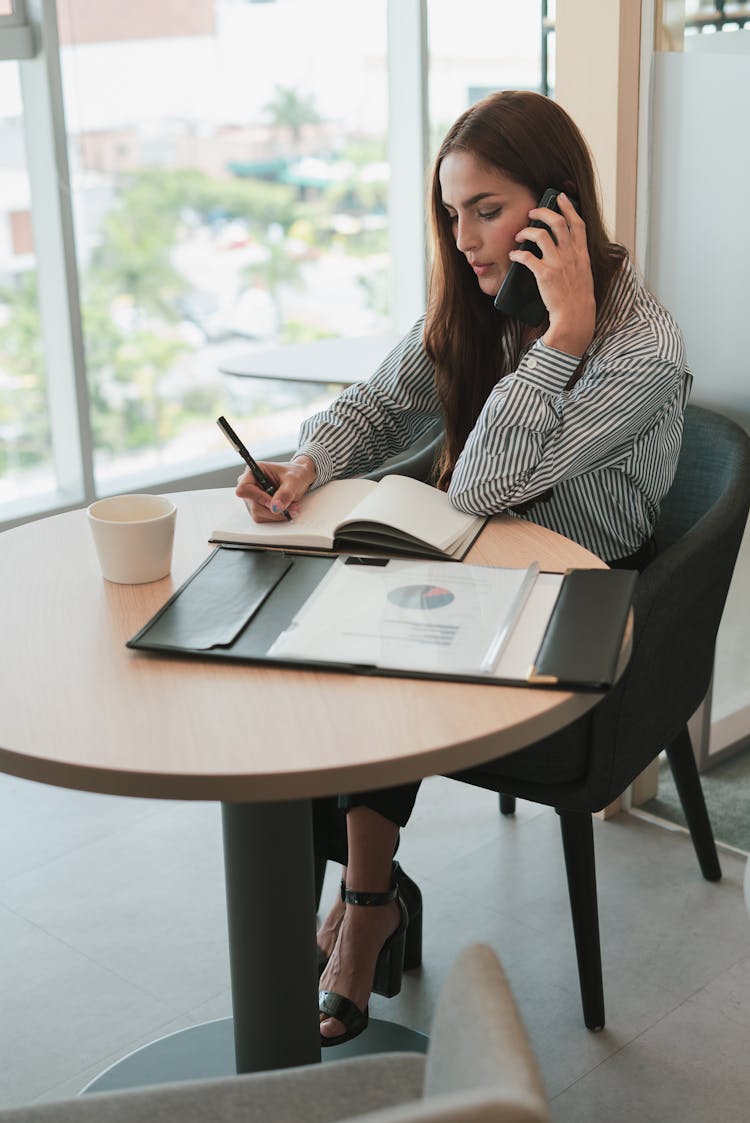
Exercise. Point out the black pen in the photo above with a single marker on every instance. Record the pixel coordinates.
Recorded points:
(260, 476)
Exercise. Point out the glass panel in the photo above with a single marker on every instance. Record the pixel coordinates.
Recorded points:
(699, 112)
(228, 199)
(490, 47)
(703, 26)
(714, 27)
(26, 467)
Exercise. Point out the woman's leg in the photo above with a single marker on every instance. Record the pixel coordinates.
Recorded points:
(353, 935)
(330, 826)
(363, 930)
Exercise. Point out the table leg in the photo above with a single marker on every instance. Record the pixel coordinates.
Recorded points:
(268, 858)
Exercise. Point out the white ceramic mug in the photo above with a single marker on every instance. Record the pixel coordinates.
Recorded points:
(133, 535)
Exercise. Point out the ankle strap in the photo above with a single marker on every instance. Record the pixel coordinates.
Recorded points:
(352, 897)
(396, 874)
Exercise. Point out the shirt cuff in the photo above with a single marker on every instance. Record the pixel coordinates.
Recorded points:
(322, 461)
(546, 368)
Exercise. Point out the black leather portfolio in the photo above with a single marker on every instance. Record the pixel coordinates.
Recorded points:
(410, 618)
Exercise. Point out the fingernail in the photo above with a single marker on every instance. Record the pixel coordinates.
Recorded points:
(276, 508)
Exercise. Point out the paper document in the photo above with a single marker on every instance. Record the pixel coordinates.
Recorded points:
(409, 615)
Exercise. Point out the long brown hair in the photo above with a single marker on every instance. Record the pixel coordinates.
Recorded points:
(533, 141)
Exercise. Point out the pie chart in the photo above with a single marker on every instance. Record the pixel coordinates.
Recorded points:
(420, 596)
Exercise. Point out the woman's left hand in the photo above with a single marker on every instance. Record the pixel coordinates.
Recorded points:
(563, 274)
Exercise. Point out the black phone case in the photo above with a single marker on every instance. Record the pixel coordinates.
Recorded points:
(519, 294)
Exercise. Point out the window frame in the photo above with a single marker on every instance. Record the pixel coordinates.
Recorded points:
(16, 35)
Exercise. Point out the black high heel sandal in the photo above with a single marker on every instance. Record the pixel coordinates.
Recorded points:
(411, 895)
(388, 969)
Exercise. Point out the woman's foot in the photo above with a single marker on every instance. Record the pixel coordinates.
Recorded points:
(329, 930)
(362, 932)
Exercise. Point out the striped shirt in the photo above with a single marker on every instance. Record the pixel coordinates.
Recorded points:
(591, 462)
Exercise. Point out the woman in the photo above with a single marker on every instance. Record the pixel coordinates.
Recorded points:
(574, 423)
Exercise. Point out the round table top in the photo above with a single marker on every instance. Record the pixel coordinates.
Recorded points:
(81, 710)
(339, 361)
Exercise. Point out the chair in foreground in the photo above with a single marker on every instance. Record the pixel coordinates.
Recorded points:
(479, 1069)
(678, 605)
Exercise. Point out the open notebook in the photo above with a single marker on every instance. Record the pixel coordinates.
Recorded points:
(396, 515)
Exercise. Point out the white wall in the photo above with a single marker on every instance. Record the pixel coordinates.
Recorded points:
(698, 263)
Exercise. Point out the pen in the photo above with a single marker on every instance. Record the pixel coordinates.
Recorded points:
(260, 476)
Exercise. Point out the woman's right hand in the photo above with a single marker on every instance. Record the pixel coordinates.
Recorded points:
(292, 481)
(563, 274)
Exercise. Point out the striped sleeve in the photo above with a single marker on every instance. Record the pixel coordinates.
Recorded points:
(533, 434)
(372, 421)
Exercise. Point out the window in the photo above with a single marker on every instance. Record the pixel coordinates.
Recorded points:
(239, 180)
(491, 47)
(240, 204)
(706, 17)
(26, 462)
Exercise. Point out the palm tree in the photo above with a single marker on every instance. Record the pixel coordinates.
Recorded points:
(292, 110)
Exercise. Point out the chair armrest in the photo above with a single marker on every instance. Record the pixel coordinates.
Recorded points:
(308, 1094)
(478, 1041)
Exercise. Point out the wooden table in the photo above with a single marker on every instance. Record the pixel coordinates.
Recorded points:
(80, 710)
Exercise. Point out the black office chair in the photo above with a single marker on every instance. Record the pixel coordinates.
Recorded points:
(678, 605)
(419, 462)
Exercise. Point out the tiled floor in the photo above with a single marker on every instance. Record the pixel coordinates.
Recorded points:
(113, 932)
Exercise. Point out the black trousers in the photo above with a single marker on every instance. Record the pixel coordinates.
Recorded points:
(396, 804)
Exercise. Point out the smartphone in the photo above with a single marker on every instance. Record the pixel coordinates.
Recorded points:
(519, 295)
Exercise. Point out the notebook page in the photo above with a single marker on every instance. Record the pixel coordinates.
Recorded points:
(417, 509)
(320, 511)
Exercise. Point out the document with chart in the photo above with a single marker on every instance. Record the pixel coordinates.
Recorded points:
(431, 616)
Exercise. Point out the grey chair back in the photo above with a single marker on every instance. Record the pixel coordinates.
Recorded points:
(678, 603)
(419, 462)
(711, 476)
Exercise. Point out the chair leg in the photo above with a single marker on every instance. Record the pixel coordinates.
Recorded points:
(320, 873)
(507, 804)
(578, 846)
(688, 784)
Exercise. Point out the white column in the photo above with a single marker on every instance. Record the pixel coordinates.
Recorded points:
(407, 150)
